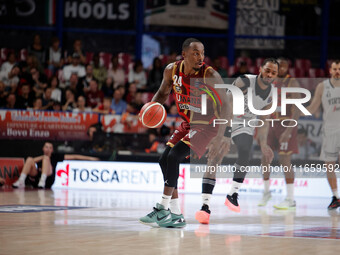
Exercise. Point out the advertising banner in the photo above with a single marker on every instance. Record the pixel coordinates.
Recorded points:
(45, 125)
(10, 169)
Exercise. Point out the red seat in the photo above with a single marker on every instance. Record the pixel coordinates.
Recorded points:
(259, 61)
(125, 60)
(105, 59)
(4, 52)
(316, 73)
(89, 57)
(296, 72)
(243, 59)
(23, 55)
(208, 61)
(254, 70)
(304, 64)
(224, 62)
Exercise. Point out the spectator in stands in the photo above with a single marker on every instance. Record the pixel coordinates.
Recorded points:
(243, 69)
(84, 82)
(3, 95)
(99, 72)
(47, 101)
(219, 69)
(32, 62)
(10, 79)
(307, 148)
(153, 141)
(137, 75)
(56, 92)
(172, 57)
(74, 67)
(116, 72)
(37, 104)
(132, 90)
(105, 107)
(138, 100)
(81, 105)
(94, 96)
(155, 75)
(56, 106)
(11, 101)
(78, 49)
(107, 87)
(72, 83)
(38, 50)
(55, 60)
(173, 111)
(70, 102)
(39, 82)
(118, 104)
(25, 100)
(7, 66)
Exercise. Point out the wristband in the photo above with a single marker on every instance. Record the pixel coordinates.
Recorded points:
(227, 132)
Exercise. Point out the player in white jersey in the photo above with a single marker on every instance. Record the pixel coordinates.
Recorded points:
(242, 135)
(327, 93)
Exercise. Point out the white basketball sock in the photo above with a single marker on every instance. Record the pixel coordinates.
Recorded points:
(206, 199)
(174, 206)
(290, 191)
(266, 186)
(234, 188)
(335, 193)
(165, 201)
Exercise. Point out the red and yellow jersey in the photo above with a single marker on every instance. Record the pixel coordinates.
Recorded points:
(188, 90)
(282, 83)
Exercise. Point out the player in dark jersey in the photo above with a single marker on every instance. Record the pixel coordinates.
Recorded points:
(242, 136)
(282, 139)
(189, 78)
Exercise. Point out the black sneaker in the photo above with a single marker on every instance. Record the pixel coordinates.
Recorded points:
(203, 215)
(231, 202)
(334, 204)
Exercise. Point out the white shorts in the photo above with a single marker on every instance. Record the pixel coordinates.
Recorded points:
(330, 145)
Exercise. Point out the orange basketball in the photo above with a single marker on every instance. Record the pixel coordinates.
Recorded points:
(152, 115)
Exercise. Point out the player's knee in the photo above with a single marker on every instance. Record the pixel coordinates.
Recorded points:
(172, 156)
(46, 158)
(29, 160)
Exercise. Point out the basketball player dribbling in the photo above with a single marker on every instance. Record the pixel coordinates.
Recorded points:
(196, 132)
(327, 93)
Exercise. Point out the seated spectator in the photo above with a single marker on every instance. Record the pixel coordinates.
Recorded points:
(37, 104)
(10, 79)
(219, 69)
(155, 76)
(84, 82)
(107, 87)
(105, 107)
(11, 101)
(94, 96)
(173, 111)
(116, 72)
(32, 62)
(57, 107)
(56, 92)
(72, 84)
(118, 104)
(70, 102)
(137, 75)
(243, 69)
(78, 49)
(38, 51)
(47, 101)
(99, 72)
(74, 67)
(132, 90)
(39, 82)
(40, 169)
(138, 100)
(3, 95)
(81, 105)
(54, 59)
(25, 100)
(7, 66)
